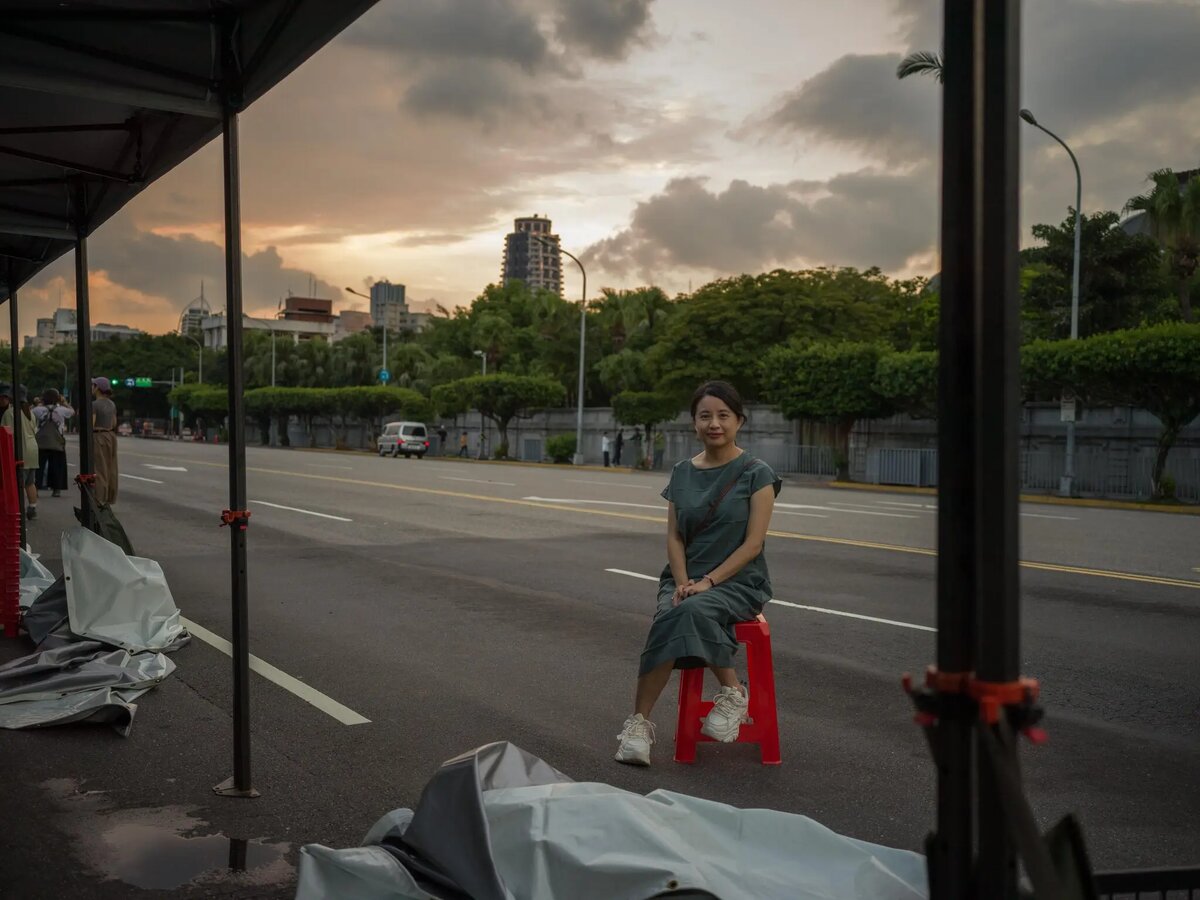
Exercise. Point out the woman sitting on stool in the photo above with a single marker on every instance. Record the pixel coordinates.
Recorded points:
(719, 510)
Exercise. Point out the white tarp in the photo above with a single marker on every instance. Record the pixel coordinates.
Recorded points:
(119, 600)
(35, 578)
(500, 824)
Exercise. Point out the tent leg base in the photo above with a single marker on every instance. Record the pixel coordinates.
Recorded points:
(226, 789)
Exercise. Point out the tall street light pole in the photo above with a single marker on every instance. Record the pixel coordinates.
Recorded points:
(483, 356)
(578, 460)
(1066, 485)
(200, 364)
(351, 290)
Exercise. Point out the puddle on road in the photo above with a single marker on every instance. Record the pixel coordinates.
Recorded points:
(155, 858)
(160, 848)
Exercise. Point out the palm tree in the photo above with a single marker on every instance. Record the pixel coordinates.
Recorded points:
(923, 62)
(1172, 210)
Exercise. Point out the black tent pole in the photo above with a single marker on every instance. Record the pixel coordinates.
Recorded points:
(951, 849)
(236, 517)
(998, 417)
(18, 419)
(83, 348)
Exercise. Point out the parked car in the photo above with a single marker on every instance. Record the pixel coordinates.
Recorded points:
(404, 438)
(124, 429)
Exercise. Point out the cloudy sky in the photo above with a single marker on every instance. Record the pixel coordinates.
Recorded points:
(671, 142)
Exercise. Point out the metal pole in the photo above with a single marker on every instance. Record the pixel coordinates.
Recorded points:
(951, 848)
(998, 418)
(65, 377)
(578, 458)
(83, 349)
(272, 356)
(18, 417)
(1066, 485)
(240, 784)
(385, 360)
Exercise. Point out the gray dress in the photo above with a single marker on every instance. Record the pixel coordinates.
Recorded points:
(699, 631)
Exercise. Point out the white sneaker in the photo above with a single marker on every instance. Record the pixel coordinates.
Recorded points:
(729, 711)
(636, 737)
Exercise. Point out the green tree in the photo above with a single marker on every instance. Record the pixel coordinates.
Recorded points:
(908, 382)
(833, 383)
(1156, 368)
(1121, 283)
(647, 409)
(1172, 209)
(500, 398)
(723, 324)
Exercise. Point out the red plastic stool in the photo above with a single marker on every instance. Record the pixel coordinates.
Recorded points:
(763, 727)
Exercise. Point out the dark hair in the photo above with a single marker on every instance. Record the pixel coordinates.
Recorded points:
(49, 396)
(723, 391)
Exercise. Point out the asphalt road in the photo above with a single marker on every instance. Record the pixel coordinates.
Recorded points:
(455, 603)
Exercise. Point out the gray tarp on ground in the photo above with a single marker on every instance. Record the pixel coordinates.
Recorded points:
(99, 629)
(83, 681)
(498, 824)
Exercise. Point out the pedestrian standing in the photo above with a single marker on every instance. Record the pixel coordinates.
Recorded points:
(660, 447)
(442, 435)
(27, 474)
(639, 458)
(52, 418)
(463, 446)
(606, 448)
(719, 509)
(620, 444)
(104, 440)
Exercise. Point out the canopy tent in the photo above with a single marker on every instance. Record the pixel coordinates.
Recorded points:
(102, 97)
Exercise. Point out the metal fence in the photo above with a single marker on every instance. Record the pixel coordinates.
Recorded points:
(1099, 471)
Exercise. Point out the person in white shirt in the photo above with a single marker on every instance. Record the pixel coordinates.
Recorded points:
(606, 446)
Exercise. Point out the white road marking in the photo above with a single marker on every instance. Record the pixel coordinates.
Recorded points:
(140, 478)
(1041, 516)
(819, 609)
(611, 483)
(165, 468)
(309, 695)
(785, 512)
(856, 512)
(324, 466)
(595, 502)
(476, 480)
(307, 512)
(902, 503)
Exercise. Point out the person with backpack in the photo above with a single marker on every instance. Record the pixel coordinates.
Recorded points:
(719, 509)
(52, 418)
(442, 435)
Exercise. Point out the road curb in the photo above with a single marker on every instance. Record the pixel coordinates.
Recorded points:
(1087, 502)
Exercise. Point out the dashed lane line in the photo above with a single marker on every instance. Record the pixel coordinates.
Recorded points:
(140, 478)
(289, 683)
(660, 520)
(307, 512)
(817, 609)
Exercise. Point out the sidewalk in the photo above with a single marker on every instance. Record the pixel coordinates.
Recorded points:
(89, 814)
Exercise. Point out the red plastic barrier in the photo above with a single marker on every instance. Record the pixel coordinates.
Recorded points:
(10, 537)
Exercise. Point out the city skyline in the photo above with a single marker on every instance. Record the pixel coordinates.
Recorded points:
(671, 141)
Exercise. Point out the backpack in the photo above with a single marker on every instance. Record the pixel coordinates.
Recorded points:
(49, 436)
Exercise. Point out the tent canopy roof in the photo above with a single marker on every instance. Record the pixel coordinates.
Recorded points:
(102, 97)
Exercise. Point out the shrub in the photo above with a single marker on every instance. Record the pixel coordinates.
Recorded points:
(561, 447)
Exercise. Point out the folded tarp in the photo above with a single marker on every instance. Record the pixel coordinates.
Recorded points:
(81, 681)
(117, 599)
(498, 824)
(34, 578)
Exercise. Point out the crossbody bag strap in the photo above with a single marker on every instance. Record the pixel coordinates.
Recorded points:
(712, 509)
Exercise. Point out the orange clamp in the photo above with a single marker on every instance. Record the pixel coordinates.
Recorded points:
(240, 518)
(991, 695)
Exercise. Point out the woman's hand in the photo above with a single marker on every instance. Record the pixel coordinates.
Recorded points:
(681, 592)
(696, 586)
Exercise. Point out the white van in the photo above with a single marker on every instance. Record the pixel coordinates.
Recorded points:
(404, 438)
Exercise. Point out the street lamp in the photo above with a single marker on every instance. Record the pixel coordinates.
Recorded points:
(578, 460)
(483, 357)
(1067, 483)
(200, 364)
(351, 290)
